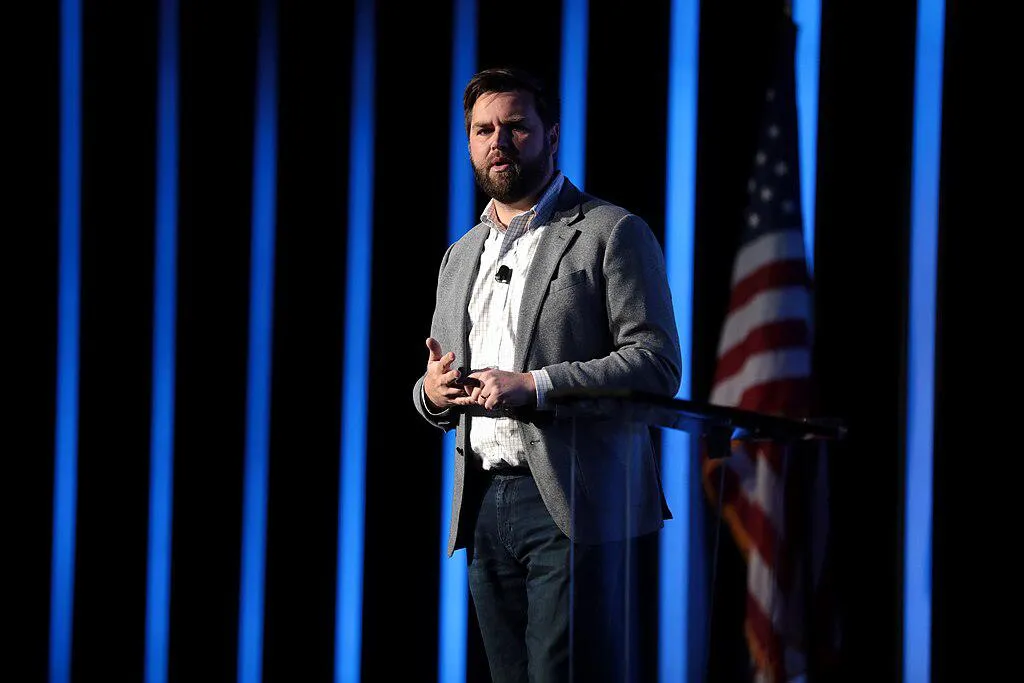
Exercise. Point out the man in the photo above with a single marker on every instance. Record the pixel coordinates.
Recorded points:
(552, 290)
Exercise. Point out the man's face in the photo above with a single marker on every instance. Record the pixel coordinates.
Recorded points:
(511, 155)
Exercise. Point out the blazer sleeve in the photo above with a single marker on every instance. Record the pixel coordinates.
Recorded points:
(449, 418)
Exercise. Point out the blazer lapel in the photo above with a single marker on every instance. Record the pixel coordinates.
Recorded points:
(463, 286)
(552, 245)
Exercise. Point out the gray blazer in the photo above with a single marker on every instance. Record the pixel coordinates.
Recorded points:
(596, 313)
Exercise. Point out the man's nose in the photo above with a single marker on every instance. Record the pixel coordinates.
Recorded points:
(502, 138)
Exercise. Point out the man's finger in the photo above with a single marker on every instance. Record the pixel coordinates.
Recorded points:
(451, 393)
(443, 364)
(434, 347)
(443, 395)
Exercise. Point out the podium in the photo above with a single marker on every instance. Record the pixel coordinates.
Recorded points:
(617, 494)
(720, 425)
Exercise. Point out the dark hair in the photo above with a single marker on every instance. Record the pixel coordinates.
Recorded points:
(509, 79)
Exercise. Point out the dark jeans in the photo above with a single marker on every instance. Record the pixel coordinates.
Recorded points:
(519, 577)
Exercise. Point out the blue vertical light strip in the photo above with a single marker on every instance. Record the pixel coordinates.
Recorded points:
(572, 146)
(261, 323)
(807, 16)
(65, 483)
(453, 603)
(161, 446)
(924, 238)
(351, 506)
(680, 190)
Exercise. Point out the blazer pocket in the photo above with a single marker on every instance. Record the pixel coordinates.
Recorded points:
(571, 280)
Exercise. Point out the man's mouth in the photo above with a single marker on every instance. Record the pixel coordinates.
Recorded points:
(501, 164)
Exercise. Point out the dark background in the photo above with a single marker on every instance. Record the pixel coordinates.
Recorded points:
(862, 222)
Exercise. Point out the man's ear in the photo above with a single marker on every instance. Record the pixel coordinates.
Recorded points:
(553, 138)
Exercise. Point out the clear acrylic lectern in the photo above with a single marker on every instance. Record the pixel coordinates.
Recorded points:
(615, 509)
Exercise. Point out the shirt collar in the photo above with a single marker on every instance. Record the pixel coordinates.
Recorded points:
(541, 211)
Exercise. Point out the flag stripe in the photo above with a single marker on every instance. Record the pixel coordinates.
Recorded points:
(756, 482)
(770, 337)
(775, 245)
(764, 588)
(762, 368)
(764, 642)
(773, 274)
(764, 308)
(756, 523)
(778, 395)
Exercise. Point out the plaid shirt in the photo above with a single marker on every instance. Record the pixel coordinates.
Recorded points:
(494, 317)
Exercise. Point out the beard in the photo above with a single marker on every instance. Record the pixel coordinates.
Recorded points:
(518, 181)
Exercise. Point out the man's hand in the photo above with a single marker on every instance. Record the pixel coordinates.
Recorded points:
(439, 382)
(500, 389)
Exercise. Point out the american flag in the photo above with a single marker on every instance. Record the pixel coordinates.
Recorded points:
(773, 504)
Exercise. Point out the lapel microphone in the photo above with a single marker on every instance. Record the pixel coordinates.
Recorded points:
(503, 275)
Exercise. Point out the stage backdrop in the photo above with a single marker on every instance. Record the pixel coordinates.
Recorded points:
(288, 133)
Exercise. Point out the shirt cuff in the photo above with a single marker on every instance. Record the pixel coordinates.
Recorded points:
(543, 382)
(427, 404)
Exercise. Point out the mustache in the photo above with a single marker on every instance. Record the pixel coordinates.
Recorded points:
(501, 159)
